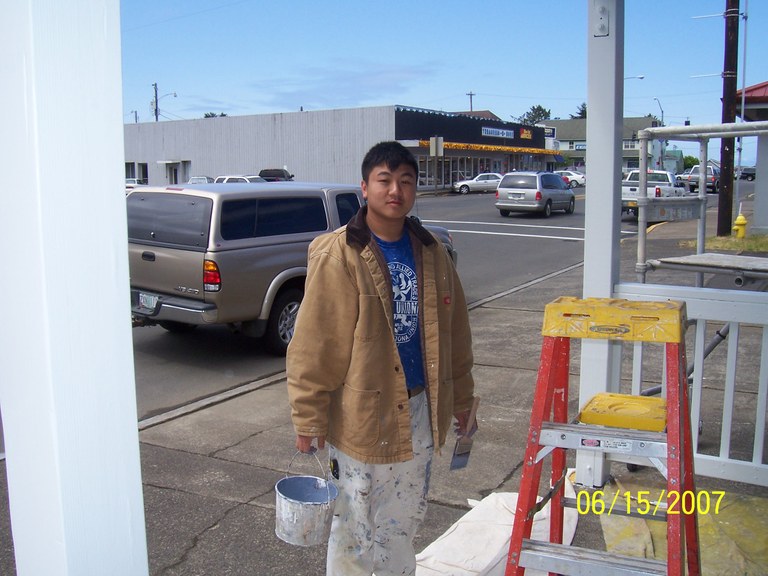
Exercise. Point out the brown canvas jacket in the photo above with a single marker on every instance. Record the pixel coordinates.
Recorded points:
(345, 379)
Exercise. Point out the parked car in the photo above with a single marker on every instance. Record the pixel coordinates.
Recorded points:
(231, 255)
(241, 179)
(200, 180)
(713, 179)
(131, 183)
(485, 182)
(574, 178)
(276, 175)
(748, 173)
(534, 192)
(683, 178)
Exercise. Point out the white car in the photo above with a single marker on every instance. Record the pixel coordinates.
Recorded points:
(485, 182)
(574, 178)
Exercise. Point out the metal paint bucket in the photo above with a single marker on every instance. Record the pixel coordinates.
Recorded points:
(304, 508)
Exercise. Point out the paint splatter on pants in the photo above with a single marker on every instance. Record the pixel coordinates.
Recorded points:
(380, 506)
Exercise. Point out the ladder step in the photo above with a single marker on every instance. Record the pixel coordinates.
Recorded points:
(574, 561)
(600, 439)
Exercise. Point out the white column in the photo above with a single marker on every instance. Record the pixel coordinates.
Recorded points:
(759, 224)
(67, 384)
(605, 95)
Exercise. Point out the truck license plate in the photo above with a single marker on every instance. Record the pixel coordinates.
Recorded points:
(147, 300)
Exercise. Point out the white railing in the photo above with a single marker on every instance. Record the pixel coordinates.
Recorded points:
(729, 390)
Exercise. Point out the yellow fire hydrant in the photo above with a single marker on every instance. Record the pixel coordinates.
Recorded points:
(740, 226)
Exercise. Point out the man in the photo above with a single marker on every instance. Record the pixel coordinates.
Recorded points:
(380, 361)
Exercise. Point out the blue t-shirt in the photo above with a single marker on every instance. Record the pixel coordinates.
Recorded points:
(405, 301)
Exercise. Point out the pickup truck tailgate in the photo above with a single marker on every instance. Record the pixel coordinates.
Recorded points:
(166, 270)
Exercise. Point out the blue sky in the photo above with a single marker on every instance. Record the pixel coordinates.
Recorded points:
(258, 56)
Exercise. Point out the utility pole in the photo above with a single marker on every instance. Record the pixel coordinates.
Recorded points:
(470, 94)
(154, 103)
(730, 69)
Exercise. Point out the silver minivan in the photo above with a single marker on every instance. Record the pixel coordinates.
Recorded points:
(540, 192)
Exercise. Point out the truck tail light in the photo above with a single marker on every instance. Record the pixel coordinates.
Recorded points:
(211, 276)
(538, 195)
(658, 192)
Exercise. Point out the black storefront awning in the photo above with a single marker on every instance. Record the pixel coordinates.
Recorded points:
(558, 158)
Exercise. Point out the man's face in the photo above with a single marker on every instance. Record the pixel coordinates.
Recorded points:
(390, 193)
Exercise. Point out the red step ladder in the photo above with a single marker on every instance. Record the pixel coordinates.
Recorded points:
(607, 425)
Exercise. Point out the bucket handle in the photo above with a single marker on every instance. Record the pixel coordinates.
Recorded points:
(326, 475)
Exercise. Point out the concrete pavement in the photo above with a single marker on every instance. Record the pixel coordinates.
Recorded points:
(209, 476)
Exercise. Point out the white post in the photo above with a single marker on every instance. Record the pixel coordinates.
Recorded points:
(759, 224)
(605, 95)
(67, 389)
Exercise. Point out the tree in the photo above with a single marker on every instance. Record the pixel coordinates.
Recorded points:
(581, 112)
(535, 115)
(213, 115)
(690, 161)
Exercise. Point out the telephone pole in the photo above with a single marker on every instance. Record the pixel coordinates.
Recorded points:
(730, 69)
(470, 94)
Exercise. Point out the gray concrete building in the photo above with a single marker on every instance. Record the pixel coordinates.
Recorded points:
(328, 145)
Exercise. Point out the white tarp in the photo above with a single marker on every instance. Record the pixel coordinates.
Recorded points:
(478, 543)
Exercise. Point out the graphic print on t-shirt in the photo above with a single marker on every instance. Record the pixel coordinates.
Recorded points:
(406, 301)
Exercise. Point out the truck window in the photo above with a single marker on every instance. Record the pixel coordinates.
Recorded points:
(347, 206)
(260, 217)
(168, 219)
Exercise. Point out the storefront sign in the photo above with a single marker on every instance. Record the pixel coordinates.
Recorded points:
(526, 133)
(497, 132)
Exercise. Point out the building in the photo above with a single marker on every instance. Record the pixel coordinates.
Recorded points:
(572, 135)
(328, 145)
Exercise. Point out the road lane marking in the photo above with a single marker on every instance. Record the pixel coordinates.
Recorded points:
(515, 234)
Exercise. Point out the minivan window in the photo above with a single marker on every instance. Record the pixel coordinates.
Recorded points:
(259, 217)
(519, 181)
(168, 219)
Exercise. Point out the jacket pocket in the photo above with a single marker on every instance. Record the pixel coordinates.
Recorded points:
(371, 321)
(360, 416)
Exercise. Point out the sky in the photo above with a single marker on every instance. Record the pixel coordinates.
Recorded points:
(242, 57)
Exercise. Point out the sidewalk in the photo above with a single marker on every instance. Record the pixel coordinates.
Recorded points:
(209, 476)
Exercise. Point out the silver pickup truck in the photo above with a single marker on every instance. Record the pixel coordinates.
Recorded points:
(661, 184)
(233, 254)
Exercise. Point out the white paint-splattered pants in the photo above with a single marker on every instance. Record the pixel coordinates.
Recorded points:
(380, 506)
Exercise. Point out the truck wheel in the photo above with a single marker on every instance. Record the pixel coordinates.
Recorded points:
(177, 327)
(464, 189)
(282, 320)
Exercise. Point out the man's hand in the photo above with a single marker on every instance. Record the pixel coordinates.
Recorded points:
(462, 419)
(466, 421)
(304, 443)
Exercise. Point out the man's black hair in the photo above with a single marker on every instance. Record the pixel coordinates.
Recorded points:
(393, 154)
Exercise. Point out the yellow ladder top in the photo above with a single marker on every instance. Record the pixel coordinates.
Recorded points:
(615, 319)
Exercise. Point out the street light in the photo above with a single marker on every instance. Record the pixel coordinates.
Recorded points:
(155, 102)
(634, 77)
(663, 142)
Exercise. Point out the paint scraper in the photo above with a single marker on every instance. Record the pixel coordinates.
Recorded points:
(464, 443)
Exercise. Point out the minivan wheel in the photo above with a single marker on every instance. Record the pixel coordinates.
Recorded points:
(571, 206)
(504, 212)
(547, 210)
(282, 320)
(177, 327)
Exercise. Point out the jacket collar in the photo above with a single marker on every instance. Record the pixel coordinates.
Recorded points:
(359, 235)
